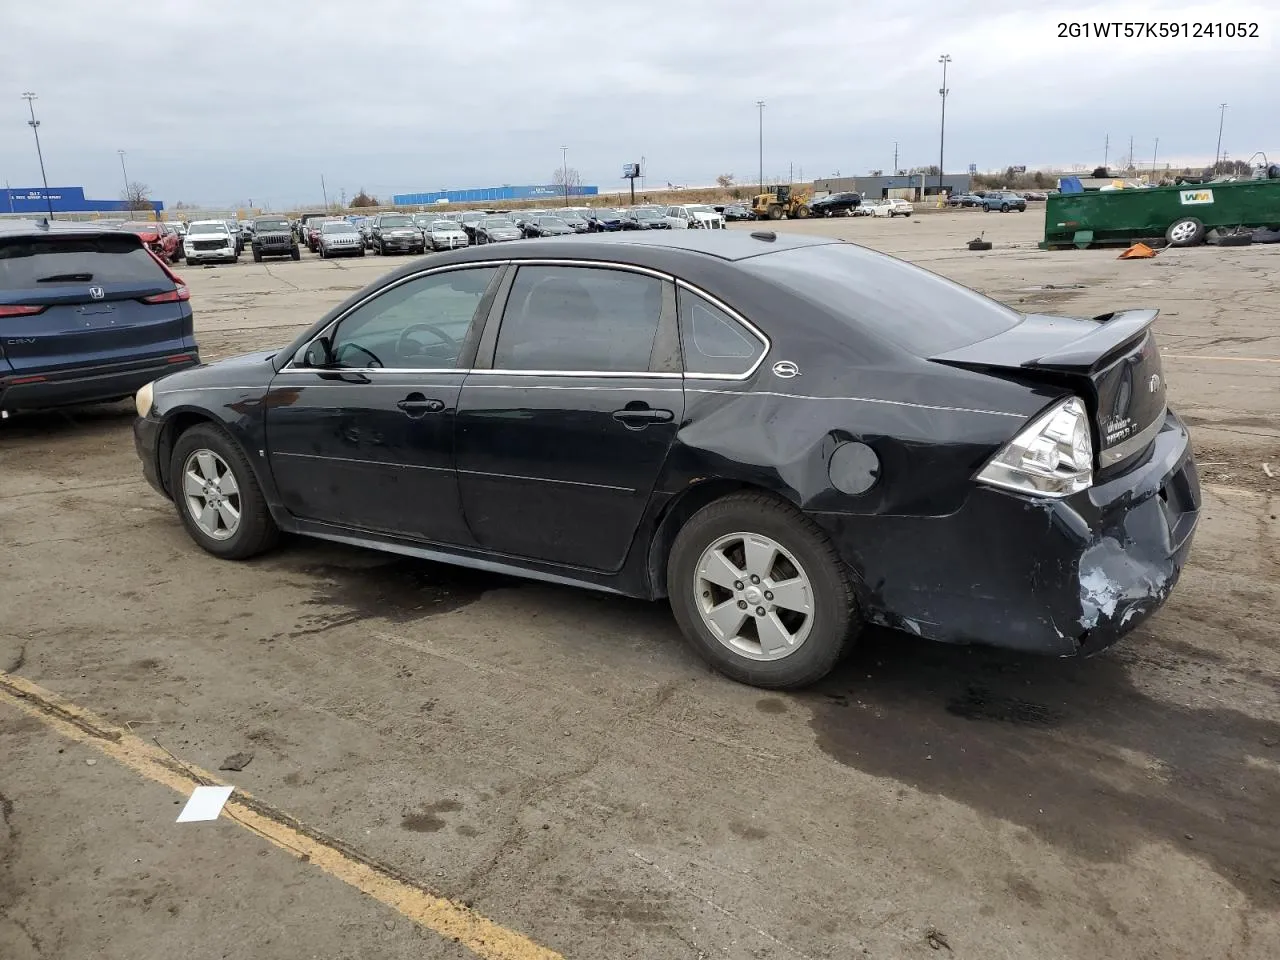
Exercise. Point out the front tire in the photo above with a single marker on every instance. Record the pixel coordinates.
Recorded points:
(802, 212)
(257, 256)
(217, 495)
(1185, 232)
(295, 253)
(760, 593)
(775, 211)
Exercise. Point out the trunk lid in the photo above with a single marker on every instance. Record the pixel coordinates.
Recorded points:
(1111, 361)
(88, 290)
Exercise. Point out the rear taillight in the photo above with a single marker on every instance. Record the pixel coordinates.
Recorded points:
(1052, 456)
(173, 296)
(20, 310)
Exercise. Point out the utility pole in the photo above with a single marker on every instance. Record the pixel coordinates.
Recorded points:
(895, 158)
(760, 107)
(344, 199)
(128, 194)
(564, 172)
(324, 193)
(791, 172)
(942, 134)
(1154, 152)
(1106, 151)
(35, 128)
(1130, 167)
(644, 173)
(1222, 115)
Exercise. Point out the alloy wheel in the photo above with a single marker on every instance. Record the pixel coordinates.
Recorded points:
(212, 494)
(754, 596)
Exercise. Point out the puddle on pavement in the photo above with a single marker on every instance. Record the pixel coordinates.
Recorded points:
(1070, 750)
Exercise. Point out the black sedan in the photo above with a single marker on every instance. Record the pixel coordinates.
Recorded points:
(547, 227)
(787, 437)
(496, 230)
(736, 211)
(644, 218)
(604, 220)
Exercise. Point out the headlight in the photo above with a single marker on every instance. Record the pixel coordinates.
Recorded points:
(1052, 456)
(142, 399)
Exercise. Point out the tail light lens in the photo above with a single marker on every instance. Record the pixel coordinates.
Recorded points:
(20, 310)
(176, 295)
(1052, 456)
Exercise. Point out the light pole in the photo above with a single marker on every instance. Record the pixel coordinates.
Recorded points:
(35, 128)
(895, 158)
(1222, 115)
(760, 106)
(1154, 152)
(942, 130)
(564, 172)
(127, 194)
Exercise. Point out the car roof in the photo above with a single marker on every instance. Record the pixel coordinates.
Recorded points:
(42, 228)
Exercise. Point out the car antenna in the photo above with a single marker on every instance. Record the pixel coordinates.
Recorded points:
(767, 235)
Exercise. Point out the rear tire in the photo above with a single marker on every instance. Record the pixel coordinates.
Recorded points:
(775, 211)
(1004, 208)
(1185, 232)
(804, 557)
(361, 253)
(254, 531)
(295, 253)
(257, 256)
(802, 212)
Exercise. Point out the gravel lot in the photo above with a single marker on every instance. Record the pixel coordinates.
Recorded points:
(558, 761)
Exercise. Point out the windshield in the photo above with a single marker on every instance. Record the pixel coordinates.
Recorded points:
(339, 228)
(28, 263)
(699, 208)
(142, 228)
(271, 225)
(395, 222)
(220, 228)
(472, 217)
(443, 226)
(645, 214)
(920, 311)
(606, 215)
(552, 222)
(495, 222)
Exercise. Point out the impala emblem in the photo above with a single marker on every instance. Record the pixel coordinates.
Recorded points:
(785, 369)
(96, 293)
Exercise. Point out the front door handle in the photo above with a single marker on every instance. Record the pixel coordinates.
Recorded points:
(415, 405)
(637, 415)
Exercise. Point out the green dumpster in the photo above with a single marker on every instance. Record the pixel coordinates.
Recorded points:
(1181, 215)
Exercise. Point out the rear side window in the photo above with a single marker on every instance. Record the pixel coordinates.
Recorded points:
(711, 340)
(40, 262)
(579, 319)
(905, 304)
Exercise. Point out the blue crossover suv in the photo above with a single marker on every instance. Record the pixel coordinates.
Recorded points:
(87, 315)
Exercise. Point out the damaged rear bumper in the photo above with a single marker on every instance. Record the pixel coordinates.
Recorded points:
(1061, 577)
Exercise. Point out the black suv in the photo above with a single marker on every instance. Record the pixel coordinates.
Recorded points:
(273, 237)
(87, 314)
(835, 205)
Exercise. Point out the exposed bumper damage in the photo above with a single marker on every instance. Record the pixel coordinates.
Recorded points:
(1062, 577)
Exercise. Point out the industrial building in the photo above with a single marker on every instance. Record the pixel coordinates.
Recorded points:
(33, 200)
(908, 186)
(548, 192)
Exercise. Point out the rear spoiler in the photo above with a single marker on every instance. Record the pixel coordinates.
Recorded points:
(1114, 330)
(1023, 346)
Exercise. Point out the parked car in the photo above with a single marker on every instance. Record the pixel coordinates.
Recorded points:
(734, 212)
(1004, 202)
(691, 216)
(1035, 195)
(340, 238)
(547, 227)
(233, 228)
(497, 229)
(87, 314)
(158, 238)
(446, 235)
(574, 219)
(273, 237)
(396, 232)
(604, 220)
(890, 207)
(826, 437)
(469, 220)
(835, 205)
(313, 231)
(644, 218)
(209, 241)
(304, 223)
(968, 200)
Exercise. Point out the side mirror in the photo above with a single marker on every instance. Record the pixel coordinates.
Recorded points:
(318, 353)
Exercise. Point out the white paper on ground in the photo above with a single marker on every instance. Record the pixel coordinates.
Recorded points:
(205, 803)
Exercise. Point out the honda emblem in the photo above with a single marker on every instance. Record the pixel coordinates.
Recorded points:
(96, 293)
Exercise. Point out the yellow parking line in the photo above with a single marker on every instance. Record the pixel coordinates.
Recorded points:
(1200, 356)
(440, 915)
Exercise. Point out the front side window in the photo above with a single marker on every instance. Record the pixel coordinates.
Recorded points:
(711, 340)
(420, 324)
(579, 319)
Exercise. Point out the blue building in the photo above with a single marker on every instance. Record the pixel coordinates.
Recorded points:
(64, 200)
(548, 192)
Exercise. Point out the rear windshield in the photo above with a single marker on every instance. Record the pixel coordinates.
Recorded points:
(918, 310)
(36, 262)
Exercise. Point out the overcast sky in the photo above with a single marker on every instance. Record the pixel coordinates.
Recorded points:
(222, 103)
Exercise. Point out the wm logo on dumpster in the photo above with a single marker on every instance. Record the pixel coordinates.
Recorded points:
(1196, 196)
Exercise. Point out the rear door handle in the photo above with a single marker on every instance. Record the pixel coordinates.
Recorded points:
(637, 415)
(416, 405)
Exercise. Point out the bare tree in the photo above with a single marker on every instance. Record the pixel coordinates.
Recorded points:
(725, 180)
(363, 199)
(568, 180)
(138, 196)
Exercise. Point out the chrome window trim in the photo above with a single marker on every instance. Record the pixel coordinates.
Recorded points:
(751, 328)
